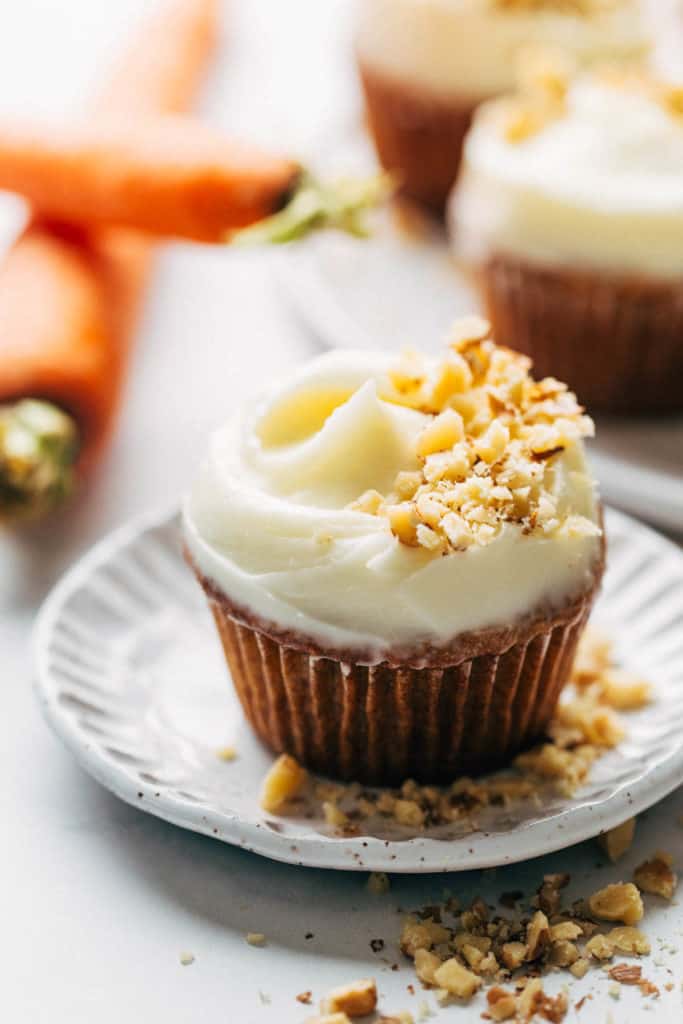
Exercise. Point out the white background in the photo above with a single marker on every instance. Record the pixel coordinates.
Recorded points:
(98, 900)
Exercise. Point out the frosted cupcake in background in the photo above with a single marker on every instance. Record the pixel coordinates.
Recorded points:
(400, 555)
(425, 65)
(570, 208)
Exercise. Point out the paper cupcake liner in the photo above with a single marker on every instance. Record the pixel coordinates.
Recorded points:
(617, 340)
(418, 136)
(384, 723)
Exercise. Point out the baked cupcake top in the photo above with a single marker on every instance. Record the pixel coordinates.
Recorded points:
(578, 171)
(468, 49)
(373, 502)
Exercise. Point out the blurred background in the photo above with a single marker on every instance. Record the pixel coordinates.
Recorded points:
(213, 326)
(217, 322)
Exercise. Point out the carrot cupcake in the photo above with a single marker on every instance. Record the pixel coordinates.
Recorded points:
(426, 64)
(400, 557)
(570, 204)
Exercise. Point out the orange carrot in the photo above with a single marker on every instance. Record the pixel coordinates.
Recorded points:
(170, 176)
(68, 298)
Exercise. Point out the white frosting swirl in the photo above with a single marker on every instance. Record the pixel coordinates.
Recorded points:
(601, 186)
(469, 48)
(267, 522)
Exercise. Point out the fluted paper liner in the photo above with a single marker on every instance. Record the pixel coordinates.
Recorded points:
(617, 340)
(383, 723)
(417, 135)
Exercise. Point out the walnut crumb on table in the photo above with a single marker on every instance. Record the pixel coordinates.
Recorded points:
(227, 754)
(456, 952)
(656, 876)
(357, 999)
(619, 840)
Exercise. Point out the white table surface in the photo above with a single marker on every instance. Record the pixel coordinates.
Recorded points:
(100, 900)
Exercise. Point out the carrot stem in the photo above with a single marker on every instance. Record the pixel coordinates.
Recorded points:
(315, 205)
(38, 449)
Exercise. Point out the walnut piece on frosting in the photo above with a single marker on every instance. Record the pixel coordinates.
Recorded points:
(486, 455)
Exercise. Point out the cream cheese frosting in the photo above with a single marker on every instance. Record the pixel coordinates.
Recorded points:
(274, 523)
(469, 48)
(599, 186)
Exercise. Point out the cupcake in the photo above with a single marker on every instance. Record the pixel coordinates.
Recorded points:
(570, 208)
(426, 64)
(400, 555)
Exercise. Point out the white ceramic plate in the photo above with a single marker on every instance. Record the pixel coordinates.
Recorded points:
(130, 675)
(402, 288)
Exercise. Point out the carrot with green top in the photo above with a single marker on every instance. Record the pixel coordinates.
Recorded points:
(173, 177)
(71, 285)
(69, 297)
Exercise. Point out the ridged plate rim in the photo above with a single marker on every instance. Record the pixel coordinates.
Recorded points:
(360, 853)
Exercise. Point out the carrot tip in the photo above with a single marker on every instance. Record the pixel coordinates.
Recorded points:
(38, 450)
(315, 205)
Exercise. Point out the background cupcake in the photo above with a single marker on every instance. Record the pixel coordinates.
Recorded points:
(400, 558)
(570, 205)
(426, 64)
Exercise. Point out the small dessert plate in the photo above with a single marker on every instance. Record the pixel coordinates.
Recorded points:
(131, 676)
(403, 284)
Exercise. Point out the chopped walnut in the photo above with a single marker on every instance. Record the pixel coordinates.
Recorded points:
(619, 902)
(565, 931)
(514, 954)
(656, 876)
(618, 840)
(409, 812)
(334, 816)
(597, 723)
(600, 947)
(563, 953)
(487, 452)
(284, 780)
(626, 974)
(549, 895)
(533, 1000)
(624, 691)
(369, 502)
(537, 935)
(227, 754)
(357, 999)
(456, 979)
(502, 1005)
(426, 965)
(580, 968)
(629, 940)
(593, 658)
(421, 935)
